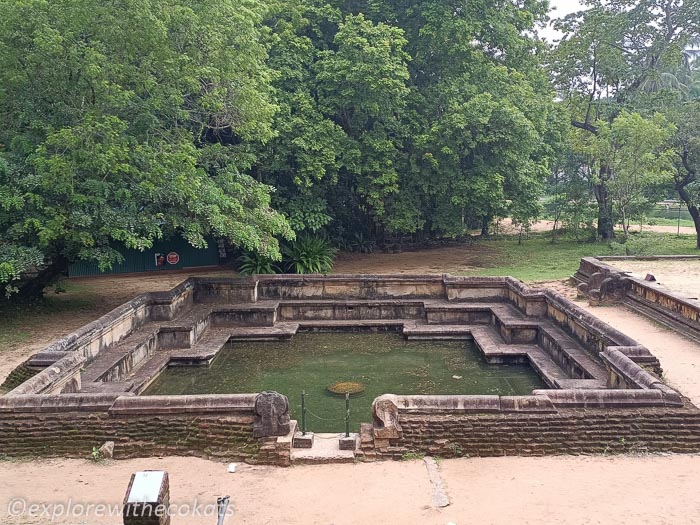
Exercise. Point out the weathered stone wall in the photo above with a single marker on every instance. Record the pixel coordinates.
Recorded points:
(591, 332)
(354, 310)
(671, 305)
(530, 301)
(475, 289)
(350, 287)
(70, 425)
(568, 431)
(550, 422)
(239, 290)
(664, 306)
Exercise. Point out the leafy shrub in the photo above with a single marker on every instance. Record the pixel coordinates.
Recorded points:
(252, 263)
(309, 255)
(361, 244)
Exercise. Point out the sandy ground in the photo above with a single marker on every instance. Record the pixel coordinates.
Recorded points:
(563, 490)
(679, 276)
(679, 357)
(453, 259)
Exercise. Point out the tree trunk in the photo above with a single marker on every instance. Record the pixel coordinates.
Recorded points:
(692, 209)
(485, 222)
(606, 229)
(34, 288)
(695, 214)
(681, 188)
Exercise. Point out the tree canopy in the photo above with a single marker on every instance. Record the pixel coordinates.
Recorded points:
(128, 121)
(364, 121)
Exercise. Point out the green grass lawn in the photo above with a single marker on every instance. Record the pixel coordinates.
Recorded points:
(660, 221)
(538, 259)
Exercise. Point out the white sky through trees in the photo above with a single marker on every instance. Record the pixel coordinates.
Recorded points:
(559, 9)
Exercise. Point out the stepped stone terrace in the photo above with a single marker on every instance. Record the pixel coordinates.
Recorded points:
(604, 391)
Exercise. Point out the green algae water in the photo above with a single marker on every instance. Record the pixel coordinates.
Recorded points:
(383, 362)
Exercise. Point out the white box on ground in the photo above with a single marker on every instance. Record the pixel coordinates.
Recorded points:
(146, 487)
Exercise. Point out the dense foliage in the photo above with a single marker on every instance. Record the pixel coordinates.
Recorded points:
(368, 122)
(412, 118)
(129, 121)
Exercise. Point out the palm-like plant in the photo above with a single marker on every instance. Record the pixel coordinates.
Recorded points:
(309, 255)
(252, 263)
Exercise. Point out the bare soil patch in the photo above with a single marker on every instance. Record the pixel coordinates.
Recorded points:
(454, 259)
(506, 227)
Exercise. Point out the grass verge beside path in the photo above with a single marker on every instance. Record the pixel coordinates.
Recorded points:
(538, 259)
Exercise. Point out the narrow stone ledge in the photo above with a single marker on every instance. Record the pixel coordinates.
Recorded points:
(57, 403)
(537, 404)
(628, 369)
(48, 378)
(604, 398)
(151, 405)
(671, 397)
(450, 403)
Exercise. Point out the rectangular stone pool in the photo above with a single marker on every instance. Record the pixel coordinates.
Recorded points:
(382, 362)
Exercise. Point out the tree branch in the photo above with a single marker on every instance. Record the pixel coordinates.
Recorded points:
(585, 126)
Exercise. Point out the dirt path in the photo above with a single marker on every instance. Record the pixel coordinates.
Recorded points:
(564, 490)
(507, 227)
(679, 357)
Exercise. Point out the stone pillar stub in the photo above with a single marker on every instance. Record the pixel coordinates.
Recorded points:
(271, 415)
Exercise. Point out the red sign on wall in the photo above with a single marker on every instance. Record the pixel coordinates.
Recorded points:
(173, 258)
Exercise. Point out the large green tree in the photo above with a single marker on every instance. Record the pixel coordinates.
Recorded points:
(616, 56)
(412, 117)
(638, 157)
(129, 121)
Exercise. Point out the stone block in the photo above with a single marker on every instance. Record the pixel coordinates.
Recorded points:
(303, 440)
(348, 443)
(107, 450)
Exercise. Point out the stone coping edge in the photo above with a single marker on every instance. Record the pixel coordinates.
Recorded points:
(542, 401)
(647, 257)
(63, 368)
(598, 263)
(129, 404)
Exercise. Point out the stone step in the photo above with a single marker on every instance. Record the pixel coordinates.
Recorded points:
(490, 343)
(144, 375)
(434, 331)
(325, 449)
(357, 325)
(279, 331)
(575, 351)
(116, 355)
(206, 349)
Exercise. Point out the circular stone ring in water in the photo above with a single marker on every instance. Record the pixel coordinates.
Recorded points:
(346, 387)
